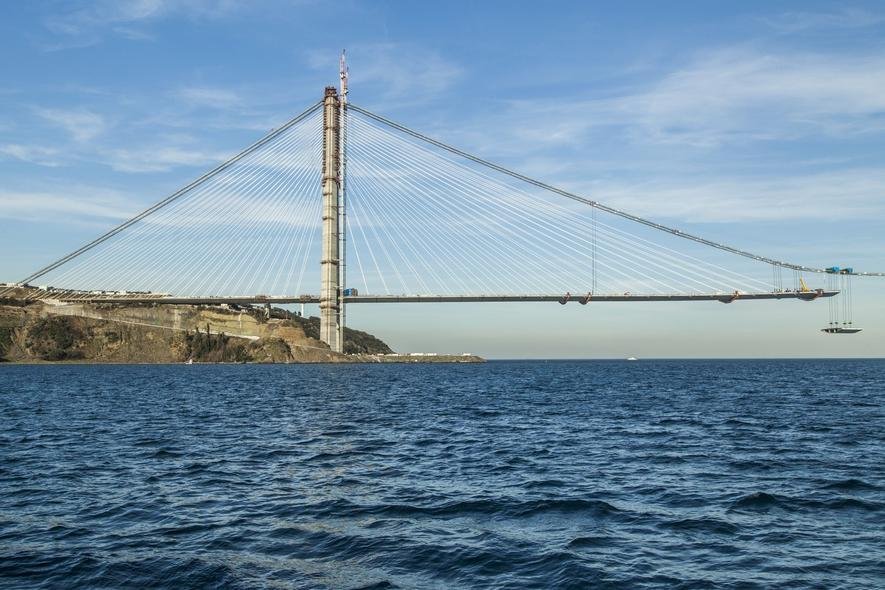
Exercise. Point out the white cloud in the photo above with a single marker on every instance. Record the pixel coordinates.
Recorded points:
(722, 97)
(846, 18)
(64, 204)
(104, 12)
(839, 195)
(738, 95)
(710, 141)
(133, 34)
(219, 98)
(159, 159)
(87, 23)
(143, 154)
(44, 156)
(82, 125)
(398, 71)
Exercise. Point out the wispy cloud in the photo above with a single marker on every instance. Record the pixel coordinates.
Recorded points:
(209, 97)
(82, 125)
(133, 34)
(843, 194)
(88, 22)
(82, 203)
(86, 18)
(735, 95)
(711, 140)
(159, 159)
(845, 18)
(44, 156)
(138, 144)
(723, 97)
(394, 71)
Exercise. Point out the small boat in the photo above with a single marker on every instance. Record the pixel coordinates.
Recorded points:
(632, 358)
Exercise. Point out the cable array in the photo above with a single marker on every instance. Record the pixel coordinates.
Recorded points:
(841, 309)
(421, 218)
(252, 227)
(423, 221)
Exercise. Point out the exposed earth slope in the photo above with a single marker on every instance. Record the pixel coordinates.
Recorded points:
(34, 332)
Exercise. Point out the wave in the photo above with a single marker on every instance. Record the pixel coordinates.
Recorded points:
(457, 508)
(758, 500)
(244, 477)
(701, 525)
(849, 485)
(766, 501)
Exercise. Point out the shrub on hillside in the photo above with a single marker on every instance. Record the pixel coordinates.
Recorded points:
(54, 338)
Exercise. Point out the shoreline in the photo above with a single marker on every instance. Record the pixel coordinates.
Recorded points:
(351, 359)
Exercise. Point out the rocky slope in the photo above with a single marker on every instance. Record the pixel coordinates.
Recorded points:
(167, 334)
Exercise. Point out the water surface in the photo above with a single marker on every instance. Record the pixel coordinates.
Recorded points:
(687, 474)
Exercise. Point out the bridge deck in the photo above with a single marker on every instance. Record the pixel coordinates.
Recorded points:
(70, 297)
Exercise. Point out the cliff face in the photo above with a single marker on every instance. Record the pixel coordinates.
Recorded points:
(163, 334)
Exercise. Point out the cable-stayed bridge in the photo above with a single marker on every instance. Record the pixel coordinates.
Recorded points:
(340, 206)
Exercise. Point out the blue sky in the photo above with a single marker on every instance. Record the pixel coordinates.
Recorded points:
(756, 123)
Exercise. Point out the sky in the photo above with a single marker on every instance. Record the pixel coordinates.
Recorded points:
(759, 124)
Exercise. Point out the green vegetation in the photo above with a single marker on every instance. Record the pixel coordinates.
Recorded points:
(5, 341)
(214, 348)
(15, 302)
(359, 342)
(355, 341)
(311, 326)
(54, 338)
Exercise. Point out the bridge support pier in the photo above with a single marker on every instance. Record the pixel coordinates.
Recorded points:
(330, 292)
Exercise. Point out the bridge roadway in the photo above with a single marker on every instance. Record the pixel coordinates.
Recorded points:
(80, 297)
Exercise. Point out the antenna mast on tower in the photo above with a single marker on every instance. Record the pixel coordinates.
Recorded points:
(342, 72)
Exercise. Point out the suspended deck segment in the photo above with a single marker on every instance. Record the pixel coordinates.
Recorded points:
(140, 298)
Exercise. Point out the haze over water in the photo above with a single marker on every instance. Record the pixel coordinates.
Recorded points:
(693, 474)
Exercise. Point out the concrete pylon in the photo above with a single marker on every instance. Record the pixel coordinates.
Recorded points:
(330, 308)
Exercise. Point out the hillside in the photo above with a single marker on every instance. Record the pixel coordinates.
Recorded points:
(34, 332)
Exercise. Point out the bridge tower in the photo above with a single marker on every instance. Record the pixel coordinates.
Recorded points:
(331, 330)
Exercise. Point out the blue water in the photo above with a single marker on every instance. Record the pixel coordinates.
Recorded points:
(683, 474)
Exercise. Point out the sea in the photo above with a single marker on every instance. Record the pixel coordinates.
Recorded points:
(509, 474)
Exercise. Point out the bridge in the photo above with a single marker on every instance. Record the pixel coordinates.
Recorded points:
(367, 210)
